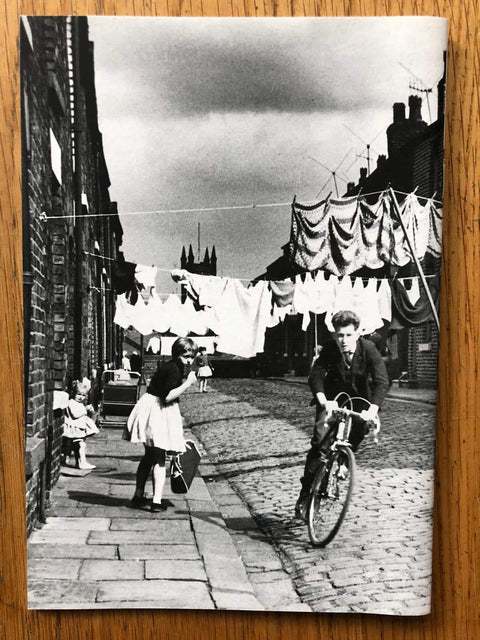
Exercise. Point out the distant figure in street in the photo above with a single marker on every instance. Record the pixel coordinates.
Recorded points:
(157, 423)
(126, 362)
(205, 371)
(348, 364)
(136, 362)
(79, 424)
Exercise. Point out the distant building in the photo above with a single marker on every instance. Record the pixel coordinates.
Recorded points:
(68, 302)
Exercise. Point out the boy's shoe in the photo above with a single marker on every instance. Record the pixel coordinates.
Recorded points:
(301, 508)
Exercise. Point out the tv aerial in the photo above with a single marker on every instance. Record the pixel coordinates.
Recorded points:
(333, 173)
(419, 86)
(368, 146)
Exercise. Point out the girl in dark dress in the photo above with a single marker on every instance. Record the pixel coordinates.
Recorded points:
(157, 423)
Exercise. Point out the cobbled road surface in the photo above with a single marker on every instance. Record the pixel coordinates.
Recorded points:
(257, 432)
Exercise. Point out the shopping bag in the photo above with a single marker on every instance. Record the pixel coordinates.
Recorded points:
(183, 468)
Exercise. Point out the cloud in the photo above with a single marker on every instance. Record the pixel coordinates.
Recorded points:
(174, 67)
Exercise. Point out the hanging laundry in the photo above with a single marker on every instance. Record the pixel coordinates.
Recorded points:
(384, 297)
(435, 230)
(322, 292)
(303, 298)
(344, 235)
(141, 318)
(367, 305)
(197, 320)
(278, 314)
(243, 315)
(413, 315)
(154, 345)
(123, 312)
(166, 345)
(282, 292)
(123, 279)
(344, 300)
(344, 228)
(179, 321)
(206, 290)
(413, 292)
(145, 275)
(158, 315)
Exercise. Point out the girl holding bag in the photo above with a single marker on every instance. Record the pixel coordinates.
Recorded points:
(157, 423)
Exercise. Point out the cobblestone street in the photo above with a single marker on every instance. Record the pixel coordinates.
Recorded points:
(256, 433)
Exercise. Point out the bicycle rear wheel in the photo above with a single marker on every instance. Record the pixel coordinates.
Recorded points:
(330, 496)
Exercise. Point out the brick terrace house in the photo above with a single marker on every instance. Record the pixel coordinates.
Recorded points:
(68, 302)
(415, 161)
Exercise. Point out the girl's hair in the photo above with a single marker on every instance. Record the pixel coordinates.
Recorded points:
(79, 387)
(201, 349)
(181, 346)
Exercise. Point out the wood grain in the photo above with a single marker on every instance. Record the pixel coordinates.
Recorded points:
(456, 603)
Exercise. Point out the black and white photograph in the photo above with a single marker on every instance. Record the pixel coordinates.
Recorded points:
(232, 241)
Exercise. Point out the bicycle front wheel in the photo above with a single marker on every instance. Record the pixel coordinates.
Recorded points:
(330, 496)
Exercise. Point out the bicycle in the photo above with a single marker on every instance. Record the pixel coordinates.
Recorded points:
(332, 487)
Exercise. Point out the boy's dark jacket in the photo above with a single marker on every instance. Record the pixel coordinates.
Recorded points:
(367, 377)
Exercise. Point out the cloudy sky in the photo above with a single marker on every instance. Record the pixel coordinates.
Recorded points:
(205, 113)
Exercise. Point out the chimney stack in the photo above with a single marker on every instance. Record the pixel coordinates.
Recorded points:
(415, 108)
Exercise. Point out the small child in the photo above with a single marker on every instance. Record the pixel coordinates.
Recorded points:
(205, 371)
(79, 424)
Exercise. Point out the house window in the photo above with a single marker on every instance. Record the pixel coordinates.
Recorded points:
(56, 157)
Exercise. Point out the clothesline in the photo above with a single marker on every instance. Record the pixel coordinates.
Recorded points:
(44, 216)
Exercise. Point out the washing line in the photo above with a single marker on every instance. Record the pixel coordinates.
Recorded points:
(45, 217)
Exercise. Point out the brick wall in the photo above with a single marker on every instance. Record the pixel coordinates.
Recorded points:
(64, 278)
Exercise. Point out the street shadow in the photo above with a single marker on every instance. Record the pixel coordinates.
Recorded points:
(97, 499)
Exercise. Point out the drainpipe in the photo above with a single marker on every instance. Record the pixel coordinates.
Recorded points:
(77, 132)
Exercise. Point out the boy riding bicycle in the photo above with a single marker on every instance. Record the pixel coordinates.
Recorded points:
(347, 364)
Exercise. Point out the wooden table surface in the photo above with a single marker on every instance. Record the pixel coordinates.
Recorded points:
(456, 556)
